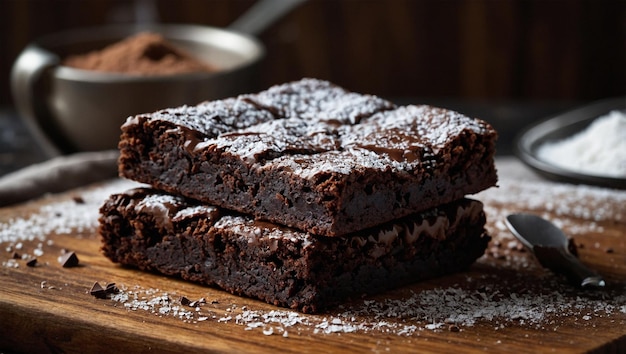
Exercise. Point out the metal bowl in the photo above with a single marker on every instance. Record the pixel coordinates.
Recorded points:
(560, 127)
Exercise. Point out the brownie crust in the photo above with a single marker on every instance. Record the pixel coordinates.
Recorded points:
(172, 235)
(312, 156)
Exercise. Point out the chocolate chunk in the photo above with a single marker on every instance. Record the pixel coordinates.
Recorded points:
(102, 293)
(16, 255)
(69, 260)
(32, 262)
(184, 301)
(111, 289)
(98, 291)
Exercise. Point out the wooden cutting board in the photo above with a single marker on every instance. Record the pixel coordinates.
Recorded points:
(505, 303)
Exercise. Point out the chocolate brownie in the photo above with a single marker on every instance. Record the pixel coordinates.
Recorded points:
(155, 231)
(312, 156)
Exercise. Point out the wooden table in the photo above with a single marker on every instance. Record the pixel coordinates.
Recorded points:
(505, 303)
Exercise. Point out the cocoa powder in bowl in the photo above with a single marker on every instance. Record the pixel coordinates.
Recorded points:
(142, 54)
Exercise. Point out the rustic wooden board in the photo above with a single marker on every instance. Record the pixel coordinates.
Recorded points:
(505, 302)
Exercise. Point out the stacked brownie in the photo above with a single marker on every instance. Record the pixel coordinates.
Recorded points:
(301, 195)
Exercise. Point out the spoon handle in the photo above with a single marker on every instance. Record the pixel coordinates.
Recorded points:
(563, 262)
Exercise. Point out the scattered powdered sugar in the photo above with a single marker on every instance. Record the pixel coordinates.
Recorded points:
(155, 301)
(437, 309)
(600, 149)
(64, 217)
(579, 201)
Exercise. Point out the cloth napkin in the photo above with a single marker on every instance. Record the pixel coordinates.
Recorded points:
(57, 175)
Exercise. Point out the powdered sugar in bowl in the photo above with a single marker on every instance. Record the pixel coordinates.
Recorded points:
(583, 146)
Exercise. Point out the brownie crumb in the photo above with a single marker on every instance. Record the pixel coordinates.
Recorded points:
(68, 260)
(16, 255)
(32, 262)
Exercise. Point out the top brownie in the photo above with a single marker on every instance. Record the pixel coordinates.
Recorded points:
(311, 155)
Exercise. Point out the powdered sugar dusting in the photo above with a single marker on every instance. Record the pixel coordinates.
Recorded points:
(313, 117)
(211, 118)
(320, 100)
(429, 126)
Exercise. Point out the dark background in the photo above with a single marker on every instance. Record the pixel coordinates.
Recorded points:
(473, 50)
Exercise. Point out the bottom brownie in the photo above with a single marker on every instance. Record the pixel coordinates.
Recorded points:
(153, 231)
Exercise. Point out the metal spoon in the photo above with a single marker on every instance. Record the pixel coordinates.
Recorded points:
(549, 244)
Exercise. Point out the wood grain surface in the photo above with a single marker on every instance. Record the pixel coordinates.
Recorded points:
(505, 303)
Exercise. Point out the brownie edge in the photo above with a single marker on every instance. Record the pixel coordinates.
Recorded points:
(158, 232)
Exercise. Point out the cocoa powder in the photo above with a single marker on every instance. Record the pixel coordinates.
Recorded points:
(142, 54)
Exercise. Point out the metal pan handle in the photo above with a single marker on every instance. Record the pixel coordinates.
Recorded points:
(262, 15)
(26, 76)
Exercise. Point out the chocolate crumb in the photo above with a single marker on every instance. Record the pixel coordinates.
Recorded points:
(32, 262)
(185, 301)
(571, 246)
(98, 291)
(609, 250)
(78, 199)
(16, 255)
(454, 328)
(197, 302)
(69, 260)
(111, 289)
